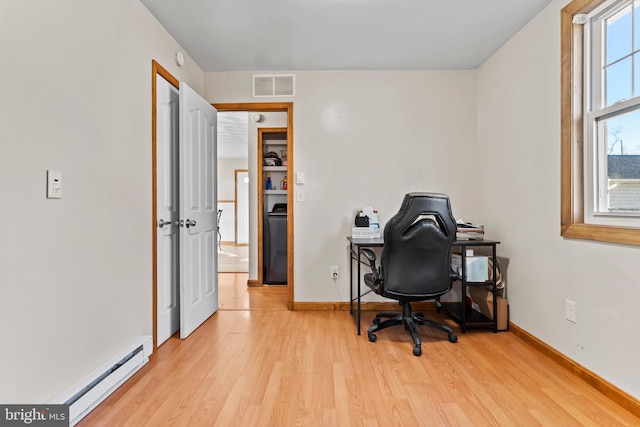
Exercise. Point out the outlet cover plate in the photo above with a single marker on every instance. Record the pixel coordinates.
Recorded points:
(570, 310)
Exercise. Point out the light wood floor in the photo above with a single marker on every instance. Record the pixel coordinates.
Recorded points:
(233, 258)
(234, 294)
(266, 366)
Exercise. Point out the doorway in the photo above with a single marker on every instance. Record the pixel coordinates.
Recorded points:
(286, 107)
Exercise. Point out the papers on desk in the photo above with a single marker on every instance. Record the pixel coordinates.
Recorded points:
(469, 231)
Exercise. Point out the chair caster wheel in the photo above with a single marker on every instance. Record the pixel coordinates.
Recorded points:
(376, 320)
(417, 351)
(372, 337)
(453, 338)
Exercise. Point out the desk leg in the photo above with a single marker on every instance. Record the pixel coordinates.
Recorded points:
(351, 278)
(463, 290)
(358, 314)
(495, 292)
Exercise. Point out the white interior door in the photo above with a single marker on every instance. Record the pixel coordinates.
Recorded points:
(198, 200)
(242, 214)
(168, 308)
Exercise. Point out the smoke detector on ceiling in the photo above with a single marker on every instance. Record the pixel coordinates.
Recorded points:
(179, 57)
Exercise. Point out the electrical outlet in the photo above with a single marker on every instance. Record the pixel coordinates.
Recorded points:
(334, 272)
(54, 184)
(570, 310)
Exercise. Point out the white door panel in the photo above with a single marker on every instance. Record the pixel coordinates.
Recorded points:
(168, 320)
(198, 255)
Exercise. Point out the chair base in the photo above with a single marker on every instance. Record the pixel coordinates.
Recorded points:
(409, 319)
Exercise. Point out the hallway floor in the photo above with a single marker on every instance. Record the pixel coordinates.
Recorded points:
(233, 258)
(234, 294)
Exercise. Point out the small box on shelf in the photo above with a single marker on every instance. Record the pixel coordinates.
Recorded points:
(483, 303)
(476, 268)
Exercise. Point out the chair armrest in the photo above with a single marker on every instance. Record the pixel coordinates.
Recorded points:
(371, 256)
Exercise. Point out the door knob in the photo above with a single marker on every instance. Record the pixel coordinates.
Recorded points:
(190, 223)
(162, 223)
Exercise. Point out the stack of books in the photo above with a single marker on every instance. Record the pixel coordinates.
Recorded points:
(467, 231)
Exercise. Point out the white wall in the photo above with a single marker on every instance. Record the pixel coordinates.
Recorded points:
(367, 138)
(519, 135)
(75, 274)
(226, 177)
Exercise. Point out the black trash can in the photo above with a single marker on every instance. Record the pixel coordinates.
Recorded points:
(275, 246)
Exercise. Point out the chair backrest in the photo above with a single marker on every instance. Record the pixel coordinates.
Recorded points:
(417, 242)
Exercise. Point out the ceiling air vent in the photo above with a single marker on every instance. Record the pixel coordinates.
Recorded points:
(274, 85)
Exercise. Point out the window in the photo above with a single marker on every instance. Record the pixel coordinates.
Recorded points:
(612, 119)
(600, 156)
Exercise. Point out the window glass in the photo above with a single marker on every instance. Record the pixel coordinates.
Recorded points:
(636, 27)
(618, 35)
(619, 191)
(636, 73)
(619, 80)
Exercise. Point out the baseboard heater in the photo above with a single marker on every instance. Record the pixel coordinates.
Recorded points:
(90, 391)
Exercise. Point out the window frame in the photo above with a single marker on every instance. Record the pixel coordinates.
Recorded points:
(572, 153)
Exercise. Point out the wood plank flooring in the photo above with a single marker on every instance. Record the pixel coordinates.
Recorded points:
(234, 294)
(233, 258)
(268, 366)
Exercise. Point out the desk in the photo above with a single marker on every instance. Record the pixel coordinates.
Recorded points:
(464, 316)
(358, 245)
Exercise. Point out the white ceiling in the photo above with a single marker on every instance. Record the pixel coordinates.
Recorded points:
(290, 35)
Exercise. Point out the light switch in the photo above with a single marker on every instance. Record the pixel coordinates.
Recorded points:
(300, 178)
(300, 195)
(54, 185)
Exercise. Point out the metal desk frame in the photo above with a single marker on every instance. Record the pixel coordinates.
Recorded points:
(356, 255)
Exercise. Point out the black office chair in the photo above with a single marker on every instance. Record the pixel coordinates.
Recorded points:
(415, 264)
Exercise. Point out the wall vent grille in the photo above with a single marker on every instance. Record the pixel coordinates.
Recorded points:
(274, 85)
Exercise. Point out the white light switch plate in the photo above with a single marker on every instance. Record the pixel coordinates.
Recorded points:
(300, 178)
(54, 185)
